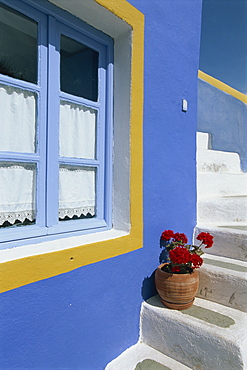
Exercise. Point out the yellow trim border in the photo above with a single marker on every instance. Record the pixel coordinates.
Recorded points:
(222, 86)
(19, 272)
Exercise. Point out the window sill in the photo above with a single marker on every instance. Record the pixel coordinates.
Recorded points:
(66, 243)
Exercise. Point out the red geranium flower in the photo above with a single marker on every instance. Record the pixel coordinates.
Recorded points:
(180, 237)
(206, 239)
(182, 256)
(167, 235)
(196, 260)
(179, 255)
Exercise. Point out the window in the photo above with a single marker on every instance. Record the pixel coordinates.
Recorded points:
(56, 123)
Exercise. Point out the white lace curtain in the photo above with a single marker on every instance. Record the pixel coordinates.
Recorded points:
(76, 191)
(77, 138)
(17, 120)
(77, 132)
(17, 194)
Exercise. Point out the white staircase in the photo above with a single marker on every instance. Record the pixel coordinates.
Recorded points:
(221, 187)
(207, 336)
(212, 334)
(221, 199)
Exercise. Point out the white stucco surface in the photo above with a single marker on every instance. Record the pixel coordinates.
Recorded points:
(223, 184)
(223, 280)
(221, 198)
(223, 210)
(139, 352)
(217, 161)
(229, 241)
(206, 336)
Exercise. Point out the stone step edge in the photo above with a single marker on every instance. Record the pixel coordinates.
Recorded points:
(189, 336)
(224, 281)
(226, 319)
(224, 263)
(232, 228)
(139, 352)
(220, 152)
(228, 242)
(225, 174)
(223, 213)
(230, 197)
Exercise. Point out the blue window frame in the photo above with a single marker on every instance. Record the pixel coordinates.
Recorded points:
(58, 166)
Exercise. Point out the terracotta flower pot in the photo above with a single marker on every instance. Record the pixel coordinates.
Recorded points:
(176, 291)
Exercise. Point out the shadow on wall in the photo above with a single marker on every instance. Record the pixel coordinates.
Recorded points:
(148, 287)
(148, 284)
(225, 118)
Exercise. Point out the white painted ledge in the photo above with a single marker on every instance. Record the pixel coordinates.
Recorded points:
(11, 254)
(140, 352)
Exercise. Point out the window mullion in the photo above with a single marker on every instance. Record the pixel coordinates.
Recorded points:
(109, 134)
(41, 123)
(101, 134)
(52, 125)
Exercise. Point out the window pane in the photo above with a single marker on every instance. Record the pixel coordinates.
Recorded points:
(18, 45)
(17, 193)
(18, 119)
(76, 192)
(77, 132)
(78, 69)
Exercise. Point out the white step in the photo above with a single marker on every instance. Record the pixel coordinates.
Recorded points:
(221, 184)
(143, 357)
(217, 161)
(229, 241)
(207, 336)
(224, 281)
(203, 140)
(224, 210)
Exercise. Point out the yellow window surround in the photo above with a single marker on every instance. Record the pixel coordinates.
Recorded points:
(21, 271)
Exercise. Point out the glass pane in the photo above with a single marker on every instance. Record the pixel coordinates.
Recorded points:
(77, 132)
(76, 192)
(18, 45)
(18, 119)
(17, 193)
(78, 69)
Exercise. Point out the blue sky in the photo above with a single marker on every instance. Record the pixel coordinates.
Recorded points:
(223, 53)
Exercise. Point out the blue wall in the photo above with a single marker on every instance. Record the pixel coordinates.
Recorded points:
(87, 317)
(225, 118)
